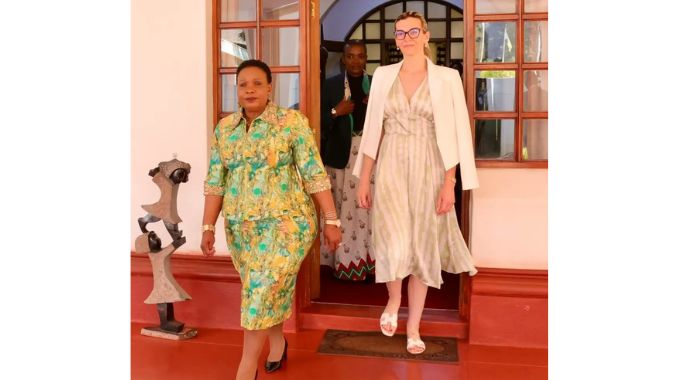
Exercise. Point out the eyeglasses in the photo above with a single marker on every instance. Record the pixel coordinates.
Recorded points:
(413, 33)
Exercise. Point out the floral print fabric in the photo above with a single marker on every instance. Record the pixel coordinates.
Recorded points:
(257, 170)
(268, 253)
(265, 174)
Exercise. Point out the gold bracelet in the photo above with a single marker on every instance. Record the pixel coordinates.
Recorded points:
(452, 179)
(208, 227)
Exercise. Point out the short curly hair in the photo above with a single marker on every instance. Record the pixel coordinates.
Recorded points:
(255, 63)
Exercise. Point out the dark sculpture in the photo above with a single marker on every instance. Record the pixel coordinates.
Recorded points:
(167, 176)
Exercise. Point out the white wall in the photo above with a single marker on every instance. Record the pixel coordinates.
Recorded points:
(171, 107)
(510, 219)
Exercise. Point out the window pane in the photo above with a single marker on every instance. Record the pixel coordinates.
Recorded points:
(435, 10)
(455, 13)
(536, 41)
(370, 67)
(535, 6)
(535, 139)
(373, 51)
(457, 50)
(536, 90)
(358, 34)
(437, 29)
(389, 30)
(495, 6)
(438, 53)
(417, 6)
(280, 10)
(237, 10)
(286, 90)
(281, 46)
(393, 55)
(374, 16)
(495, 139)
(393, 11)
(236, 46)
(495, 90)
(372, 31)
(457, 29)
(229, 96)
(495, 41)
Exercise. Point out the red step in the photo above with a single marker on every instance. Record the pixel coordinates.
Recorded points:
(435, 322)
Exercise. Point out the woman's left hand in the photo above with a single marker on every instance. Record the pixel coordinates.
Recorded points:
(446, 198)
(332, 237)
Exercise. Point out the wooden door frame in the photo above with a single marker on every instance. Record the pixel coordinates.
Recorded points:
(310, 84)
(311, 68)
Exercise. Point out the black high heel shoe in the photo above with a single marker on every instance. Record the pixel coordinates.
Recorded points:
(270, 367)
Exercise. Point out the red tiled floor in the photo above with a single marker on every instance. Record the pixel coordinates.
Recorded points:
(214, 354)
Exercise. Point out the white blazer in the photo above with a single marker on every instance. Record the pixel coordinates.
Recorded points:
(452, 124)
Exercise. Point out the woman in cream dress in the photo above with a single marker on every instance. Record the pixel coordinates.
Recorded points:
(415, 231)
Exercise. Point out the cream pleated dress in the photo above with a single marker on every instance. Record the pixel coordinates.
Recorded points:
(409, 238)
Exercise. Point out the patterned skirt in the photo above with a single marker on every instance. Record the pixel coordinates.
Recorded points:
(267, 254)
(354, 259)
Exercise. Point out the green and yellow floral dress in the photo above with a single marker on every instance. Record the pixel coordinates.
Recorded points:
(265, 176)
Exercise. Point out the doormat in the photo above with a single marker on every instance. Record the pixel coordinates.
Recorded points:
(374, 343)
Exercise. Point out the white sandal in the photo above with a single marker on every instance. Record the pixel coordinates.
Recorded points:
(415, 346)
(388, 319)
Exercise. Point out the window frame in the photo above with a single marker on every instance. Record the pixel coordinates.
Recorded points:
(258, 24)
(519, 67)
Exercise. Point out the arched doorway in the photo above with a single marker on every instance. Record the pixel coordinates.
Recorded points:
(376, 27)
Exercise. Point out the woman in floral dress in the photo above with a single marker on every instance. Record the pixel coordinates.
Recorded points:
(270, 219)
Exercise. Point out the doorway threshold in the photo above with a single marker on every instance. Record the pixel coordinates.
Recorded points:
(435, 322)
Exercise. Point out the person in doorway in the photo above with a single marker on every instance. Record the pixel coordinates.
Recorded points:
(270, 221)
(345, 97)
(416, 133)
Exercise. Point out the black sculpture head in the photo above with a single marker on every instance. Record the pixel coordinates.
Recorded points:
(176, 170)
(179, 175)
(154, 242)
(148, 242)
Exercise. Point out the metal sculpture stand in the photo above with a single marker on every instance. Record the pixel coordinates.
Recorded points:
(167, 176)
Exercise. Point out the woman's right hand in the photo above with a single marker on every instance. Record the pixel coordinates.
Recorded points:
(332, 237)
(364, 193)
(208, 243)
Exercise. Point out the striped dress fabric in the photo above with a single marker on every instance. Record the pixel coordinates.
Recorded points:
(409, 238)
